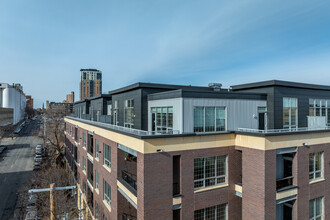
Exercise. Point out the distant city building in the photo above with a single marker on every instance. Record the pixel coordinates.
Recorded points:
(47, 105)
(12, 97)
(29, 102)
(66, 107)
(69, 98)
(90, 83)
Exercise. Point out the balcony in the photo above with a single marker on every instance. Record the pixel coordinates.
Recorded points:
(123, 129)
(284, 130)
(130, 179)
(284, 183)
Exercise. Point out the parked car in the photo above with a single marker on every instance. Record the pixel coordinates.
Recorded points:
(2, 149)
(38, 158)
(37, 166)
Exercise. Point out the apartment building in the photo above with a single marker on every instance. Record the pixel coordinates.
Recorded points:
(185, 152)
(90, 83)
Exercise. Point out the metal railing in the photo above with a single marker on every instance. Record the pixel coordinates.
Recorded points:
(283, 130)
(124, 129)
(284, 182)
(129, 178)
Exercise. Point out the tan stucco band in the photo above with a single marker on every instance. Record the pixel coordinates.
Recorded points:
(181, 143)
(177, 200)
(238, 188)
(127, 192)
(287, 193)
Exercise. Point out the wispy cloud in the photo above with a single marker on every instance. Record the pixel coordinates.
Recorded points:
(184, 42)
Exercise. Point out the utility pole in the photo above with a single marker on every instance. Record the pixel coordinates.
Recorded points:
(52, 190)
(52, 202)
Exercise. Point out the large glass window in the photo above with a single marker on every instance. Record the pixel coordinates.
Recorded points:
(315, 165)
(208, 119)
(316, 209)
(115, 113)
(162, 119)
(218, 212)
(96, 179)
(290, 112)
(84, 140)
(84, 163)
(97, 151)
(210, 171)
(107, 155)
(129, 113)
(107, 192)
(320, 107)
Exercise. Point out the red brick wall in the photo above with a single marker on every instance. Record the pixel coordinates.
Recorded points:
(259, 184)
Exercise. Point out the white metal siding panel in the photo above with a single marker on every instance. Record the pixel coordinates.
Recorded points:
(177, 111)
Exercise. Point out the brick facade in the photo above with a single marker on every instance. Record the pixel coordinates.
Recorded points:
(255, 169)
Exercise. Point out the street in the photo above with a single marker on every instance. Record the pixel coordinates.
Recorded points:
(16, 166)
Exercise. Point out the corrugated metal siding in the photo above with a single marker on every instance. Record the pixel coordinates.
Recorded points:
(239, 112)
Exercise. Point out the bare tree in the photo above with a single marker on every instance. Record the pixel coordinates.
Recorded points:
(65, 202)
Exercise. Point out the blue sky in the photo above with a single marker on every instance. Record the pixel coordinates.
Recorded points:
(44, 43)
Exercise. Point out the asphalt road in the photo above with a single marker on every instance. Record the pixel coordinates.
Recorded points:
(16, 166)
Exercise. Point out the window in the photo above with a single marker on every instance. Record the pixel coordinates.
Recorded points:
(210, 171)
(97, 211)
(162, 119)
(320, 107)
(97, 149)
(129, 113)
(115, 113)
(84, 163)
(107, 192)
(84, 140)
(316, 209)
(107, 155)
(208, 119)
(79, 157)
(96, 179)
(218, 212)
(290, 112)
(315, 165)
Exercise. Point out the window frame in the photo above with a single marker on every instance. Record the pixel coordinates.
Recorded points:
(129, 113)
(107, 161)
(290, 126)
(216, 177)
(313, 201)
(107, 198)
(315, 172)
(97, 186)
(204, 121)
(161, 127)
(97, 149)
(204, 211)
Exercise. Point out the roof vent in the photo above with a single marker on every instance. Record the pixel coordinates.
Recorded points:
(215, 86)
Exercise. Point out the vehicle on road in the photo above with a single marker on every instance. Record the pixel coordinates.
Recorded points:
(38, 158)
(2, 149)
(37, 166)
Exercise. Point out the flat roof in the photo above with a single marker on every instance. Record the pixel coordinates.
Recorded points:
(272, 83)
(223, 94)
(90, 70)
(160, 86)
